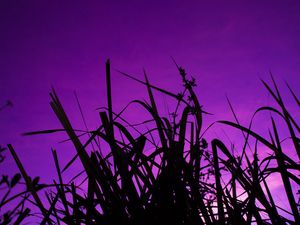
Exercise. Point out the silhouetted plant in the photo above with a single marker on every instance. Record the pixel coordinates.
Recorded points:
(18, 212)
(180, 180)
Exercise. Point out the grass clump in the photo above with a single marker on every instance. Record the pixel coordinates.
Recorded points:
(182, 179)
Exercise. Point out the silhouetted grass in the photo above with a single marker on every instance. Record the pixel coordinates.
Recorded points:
(182, 179)
(18, 212)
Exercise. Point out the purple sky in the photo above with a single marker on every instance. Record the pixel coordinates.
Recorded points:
(227, 47)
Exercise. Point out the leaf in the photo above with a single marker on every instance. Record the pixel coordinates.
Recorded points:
(15, 180)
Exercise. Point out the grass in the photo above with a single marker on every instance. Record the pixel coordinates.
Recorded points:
(18, 212)
(184, 179)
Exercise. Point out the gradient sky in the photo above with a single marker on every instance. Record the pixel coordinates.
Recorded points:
(226, 45)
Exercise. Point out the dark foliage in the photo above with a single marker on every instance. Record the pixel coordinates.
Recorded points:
(181, 180)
